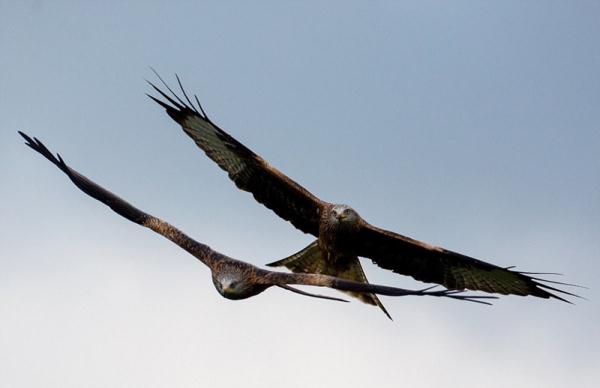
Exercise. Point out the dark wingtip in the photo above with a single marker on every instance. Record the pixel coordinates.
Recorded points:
(36, 145)
(458, 294)
(168, 98)
(543, 289)
(26, 137)
(559, 283)
(161, 103)
(175, 100)
(540, 287)
(545, 293)
(181, 102)
(186, 96)
(472, 298)
(319, 296)
(29, 142)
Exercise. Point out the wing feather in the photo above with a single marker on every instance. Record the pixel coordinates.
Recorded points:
(319, 280)
(247, 170)
(453, 270)
(125, 209)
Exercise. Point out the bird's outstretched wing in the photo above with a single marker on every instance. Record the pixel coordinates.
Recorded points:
(125, 209)
(283, 279)
(247, 170)
(453, 270)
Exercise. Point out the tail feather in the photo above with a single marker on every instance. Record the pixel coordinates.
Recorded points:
(308, 260)
(313, 260)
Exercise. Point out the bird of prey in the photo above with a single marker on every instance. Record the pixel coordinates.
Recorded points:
(233, 279)
(342, 234)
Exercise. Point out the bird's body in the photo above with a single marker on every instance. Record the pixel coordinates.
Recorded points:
(342, 235)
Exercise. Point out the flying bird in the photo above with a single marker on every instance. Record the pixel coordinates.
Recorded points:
(233, 279)
(342, 234)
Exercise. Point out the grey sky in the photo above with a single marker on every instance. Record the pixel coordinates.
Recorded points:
(470, 125)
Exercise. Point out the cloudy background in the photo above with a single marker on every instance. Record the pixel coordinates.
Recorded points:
(470, 125)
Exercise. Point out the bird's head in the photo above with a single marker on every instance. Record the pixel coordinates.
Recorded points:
(344, 215)
(231, 287)
(235, 283)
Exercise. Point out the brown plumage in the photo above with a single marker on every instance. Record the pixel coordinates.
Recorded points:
(342, 234)
(233, 279)
(312, 260)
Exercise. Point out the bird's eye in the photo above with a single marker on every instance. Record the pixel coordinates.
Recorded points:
(346, 211)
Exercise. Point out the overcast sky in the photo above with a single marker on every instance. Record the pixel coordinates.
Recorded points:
(470, 125)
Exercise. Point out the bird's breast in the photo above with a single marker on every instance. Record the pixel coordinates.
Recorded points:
(336, 240)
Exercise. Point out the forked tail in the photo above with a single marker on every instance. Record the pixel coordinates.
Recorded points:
(313, 260)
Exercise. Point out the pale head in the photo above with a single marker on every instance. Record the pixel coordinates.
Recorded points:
(235, 283)
(344, 214)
